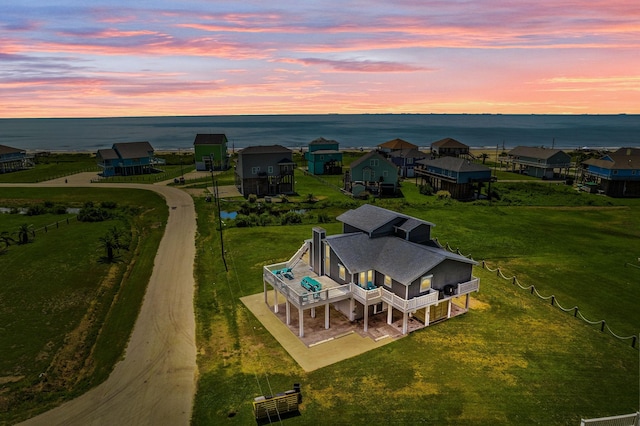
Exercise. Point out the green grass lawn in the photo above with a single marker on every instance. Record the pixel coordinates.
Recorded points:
(51, 167)
(65, 315)
(513, 359)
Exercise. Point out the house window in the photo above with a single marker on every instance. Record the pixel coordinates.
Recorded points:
(321, 157)
(255, 170)
(425, 283)
(373, 162)
(327, 257)
(615, 172)
(366, 278)
(270, 170)
(387, 280)
(409, 160)
(342, 272)
(385, 173)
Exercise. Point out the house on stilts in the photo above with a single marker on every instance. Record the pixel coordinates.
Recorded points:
(383, 263)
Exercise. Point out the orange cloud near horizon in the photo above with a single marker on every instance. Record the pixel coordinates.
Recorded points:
(414, 57)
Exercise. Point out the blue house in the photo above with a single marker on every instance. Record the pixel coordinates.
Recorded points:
(13, 159)
(128, 158)
(616, 174)
(324, 157)
(460, 177)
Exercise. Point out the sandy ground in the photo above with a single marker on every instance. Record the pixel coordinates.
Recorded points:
(155, 382)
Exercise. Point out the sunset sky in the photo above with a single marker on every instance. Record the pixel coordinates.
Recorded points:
(138, 58)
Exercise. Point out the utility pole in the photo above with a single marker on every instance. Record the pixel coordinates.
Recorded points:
(214, 190)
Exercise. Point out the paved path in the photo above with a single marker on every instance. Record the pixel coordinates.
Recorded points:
(155, 382)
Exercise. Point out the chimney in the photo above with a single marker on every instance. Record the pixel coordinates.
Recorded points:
(319, 235)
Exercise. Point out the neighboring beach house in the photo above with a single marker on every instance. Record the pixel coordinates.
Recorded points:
(128, 158)
(372, 172)
(449, 147)
(265, 170)
(384, 263)
(462, 178)
(396, 144)
(210, 151)
(405, 160)
(324, 157)
(617, 174)
(14, 159)
(545, 163)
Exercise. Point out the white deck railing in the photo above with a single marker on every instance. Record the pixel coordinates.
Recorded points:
(411, 304)
(468, 287)
(366, 296)
(298, 255)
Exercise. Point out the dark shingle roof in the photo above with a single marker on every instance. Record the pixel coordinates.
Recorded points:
(397, 144)
(533, 152)
(107, 154)
(369, 218)
(210, 139)
(408, 153)
(133, 149)
(403, 260)
(367, 156)
(322, 141)
(448, 143)
(9, 150)
(622, 159)
(455, 164)
(265, 149)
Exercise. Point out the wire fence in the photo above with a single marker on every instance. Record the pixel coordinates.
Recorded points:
(552, 299)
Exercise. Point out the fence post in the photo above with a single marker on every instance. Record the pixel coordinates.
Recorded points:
(515, 280)
(633, 342)
(602, 327)
(533, 288)
(553, 300)
(575, 313)
(57, 224)
(45, 229)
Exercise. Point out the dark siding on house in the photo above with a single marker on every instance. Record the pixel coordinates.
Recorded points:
(447, 272)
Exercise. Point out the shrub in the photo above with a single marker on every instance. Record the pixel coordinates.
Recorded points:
(426, 189)
(252, 198)
(108, 204)
(323, 218)
(36, 210)
(290, 218)
(93, 214)
(443, 195)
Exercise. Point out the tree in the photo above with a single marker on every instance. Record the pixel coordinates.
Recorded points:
(5, 241)
(484, 157)
(25, 232)
(112, 242)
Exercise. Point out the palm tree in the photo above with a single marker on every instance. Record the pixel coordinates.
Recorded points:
(112, 242)
(5, 241)
(484, 157)
(24, 232)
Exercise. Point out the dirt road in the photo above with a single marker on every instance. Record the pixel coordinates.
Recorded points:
(155, 382)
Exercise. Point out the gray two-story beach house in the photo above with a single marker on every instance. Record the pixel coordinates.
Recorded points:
(383, 263)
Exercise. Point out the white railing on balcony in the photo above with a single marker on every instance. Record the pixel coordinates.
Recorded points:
(298, 255)
(297, 294)
(366, 296)
(411, 304)
(469, 286)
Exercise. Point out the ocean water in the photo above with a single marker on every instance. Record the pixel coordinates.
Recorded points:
(351, 131)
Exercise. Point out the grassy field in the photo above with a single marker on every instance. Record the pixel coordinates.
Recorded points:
(51, 167)
(513, 359)
(65, 314)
